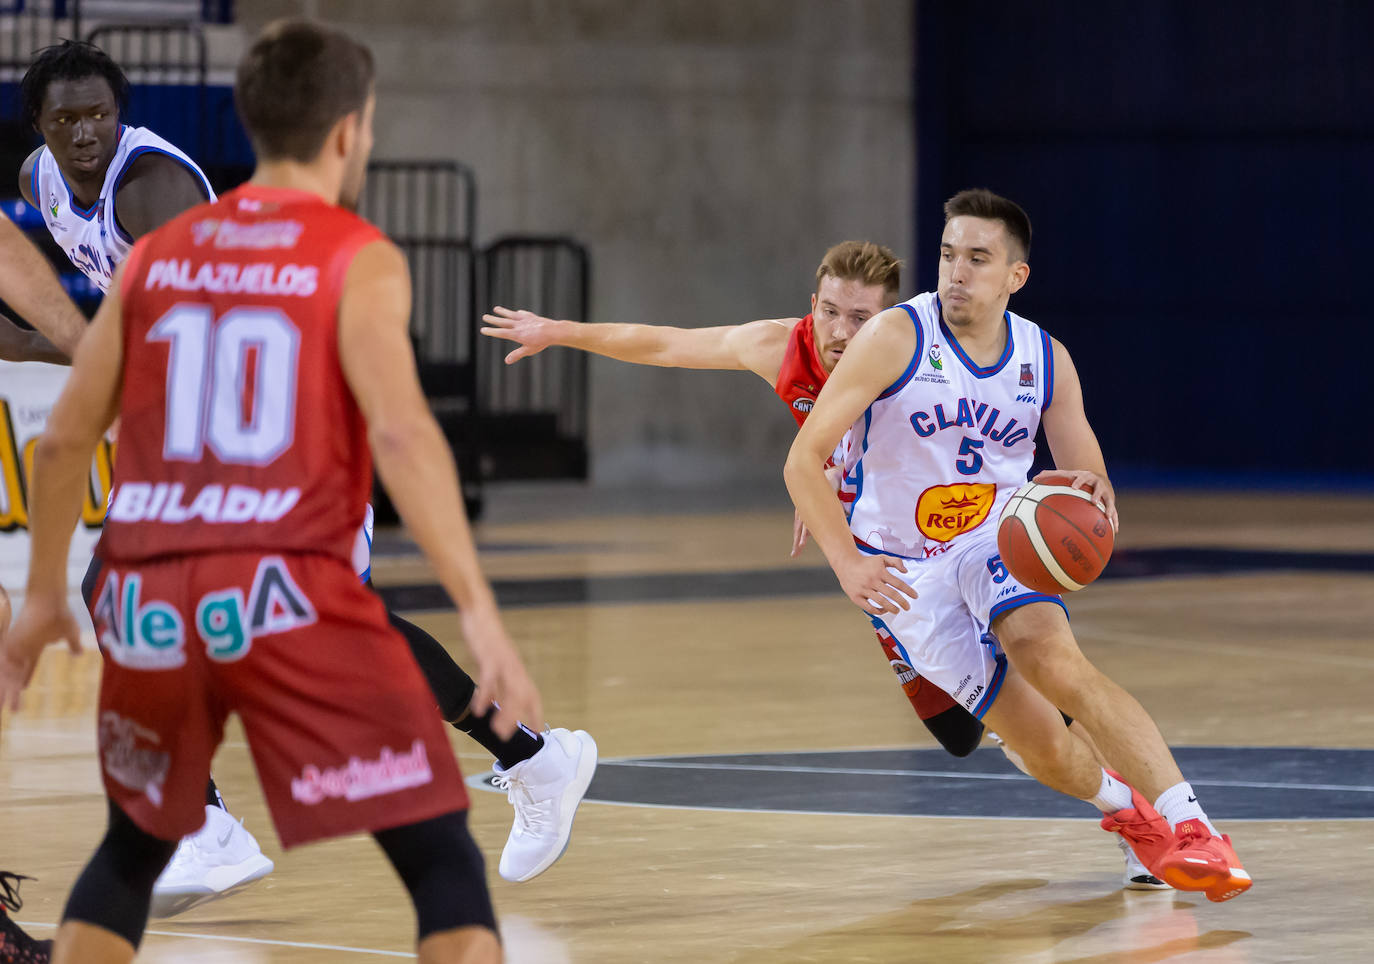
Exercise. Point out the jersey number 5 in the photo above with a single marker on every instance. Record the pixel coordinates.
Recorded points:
(231, 383)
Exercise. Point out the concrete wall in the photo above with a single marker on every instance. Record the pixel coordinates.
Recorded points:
(707, 151)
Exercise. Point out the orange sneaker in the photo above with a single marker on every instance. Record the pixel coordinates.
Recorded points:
(1145, 830)
(1203, 861)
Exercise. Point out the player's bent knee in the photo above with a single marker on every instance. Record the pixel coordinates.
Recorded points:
(442, 868)
(958, 731)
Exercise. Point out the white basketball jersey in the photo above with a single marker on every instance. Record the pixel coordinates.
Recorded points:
(940, 451)
(92, 237)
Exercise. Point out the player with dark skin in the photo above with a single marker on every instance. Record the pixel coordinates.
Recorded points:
(79, 121)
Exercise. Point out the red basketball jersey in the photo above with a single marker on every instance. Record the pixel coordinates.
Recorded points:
(802, 375)
(237, 428)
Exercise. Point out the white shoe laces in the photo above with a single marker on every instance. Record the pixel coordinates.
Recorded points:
(531, 816)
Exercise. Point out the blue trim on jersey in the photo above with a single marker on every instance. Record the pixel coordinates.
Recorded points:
(136, 153)
(999, 675)
(865, 547)
(915, 362)
(1016, 602)
(977, 372)
(33, 186)
(84, 214)
(366, 574)
(1048, 346)
(857, 479)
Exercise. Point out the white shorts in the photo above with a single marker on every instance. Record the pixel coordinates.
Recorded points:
(944, 635)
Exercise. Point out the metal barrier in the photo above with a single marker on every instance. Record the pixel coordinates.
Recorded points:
(161, 53)
(542, 401)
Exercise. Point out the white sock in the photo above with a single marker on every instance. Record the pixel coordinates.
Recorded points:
(1112, 795)
(1179, 803)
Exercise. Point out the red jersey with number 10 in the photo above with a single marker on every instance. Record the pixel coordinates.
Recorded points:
(802, 375)
(237, 428)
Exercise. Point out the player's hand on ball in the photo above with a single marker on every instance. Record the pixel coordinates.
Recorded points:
(869, 583)
(1102, 492)
(43, 620)
(532, 332)
(501, 677)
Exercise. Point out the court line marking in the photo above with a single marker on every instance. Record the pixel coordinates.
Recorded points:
(255, 940)
(1122, 637)
(473, 782)
(950, 775)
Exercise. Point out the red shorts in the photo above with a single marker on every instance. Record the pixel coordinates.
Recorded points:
(340, 722)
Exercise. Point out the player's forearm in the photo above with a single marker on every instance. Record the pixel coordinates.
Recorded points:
(61, 463)
(815, 500)
(418, 471)
(20, 345)
(657, 345)
(29, 284)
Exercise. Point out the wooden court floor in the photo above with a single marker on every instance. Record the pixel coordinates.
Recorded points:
(656, 660)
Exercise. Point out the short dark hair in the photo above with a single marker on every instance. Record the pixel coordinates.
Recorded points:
(979, 202)
(294, 84)
(69, 60)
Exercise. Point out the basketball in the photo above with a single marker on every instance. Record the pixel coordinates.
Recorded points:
(1054, 538)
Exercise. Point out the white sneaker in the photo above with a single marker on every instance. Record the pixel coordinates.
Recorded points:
(1137, 875)
(545, 791)
(213, 862)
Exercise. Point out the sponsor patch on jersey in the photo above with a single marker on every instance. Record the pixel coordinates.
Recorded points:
(804, 405)
(935, 358)
(1027, 376)
(257, 236)
(946, 511)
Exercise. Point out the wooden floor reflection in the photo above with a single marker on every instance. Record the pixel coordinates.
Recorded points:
(1236, 658)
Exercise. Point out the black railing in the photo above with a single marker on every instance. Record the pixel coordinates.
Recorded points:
(549, 276)
(162, 53)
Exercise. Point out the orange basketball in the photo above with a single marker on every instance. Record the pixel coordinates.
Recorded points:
(1054, 538)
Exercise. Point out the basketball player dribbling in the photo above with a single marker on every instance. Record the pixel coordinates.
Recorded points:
(227, 583)
(941, 397)
(795, 356)
(100, 186)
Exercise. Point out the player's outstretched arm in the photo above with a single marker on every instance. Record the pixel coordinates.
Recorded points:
(61, 466)
(875, 358)
(755, 346)
(30, 286)
(415, 465)
(1072, 441)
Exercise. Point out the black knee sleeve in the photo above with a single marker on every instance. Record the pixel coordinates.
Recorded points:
(441, 867)
(452, 687)
(958, 731)
(115, 889)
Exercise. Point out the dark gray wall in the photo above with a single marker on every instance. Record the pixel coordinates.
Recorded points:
(707, 151)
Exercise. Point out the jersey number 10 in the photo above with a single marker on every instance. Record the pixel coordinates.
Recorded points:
(231, 383)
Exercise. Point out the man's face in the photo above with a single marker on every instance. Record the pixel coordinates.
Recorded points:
(976, 275)
(79, 121)
(838, 308)
(355, 167)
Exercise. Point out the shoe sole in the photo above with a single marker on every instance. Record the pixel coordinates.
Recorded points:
(586, 769)
(177, 900)
(1217, 885)
(1144, 884)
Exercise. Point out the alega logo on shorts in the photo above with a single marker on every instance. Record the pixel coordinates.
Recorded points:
(945, 511)
(360, 779)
